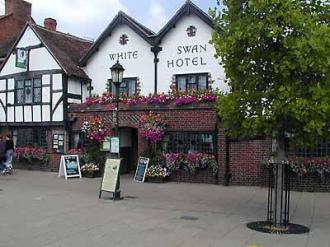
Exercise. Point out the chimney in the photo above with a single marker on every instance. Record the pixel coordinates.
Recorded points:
(19, 8)
(50, 24)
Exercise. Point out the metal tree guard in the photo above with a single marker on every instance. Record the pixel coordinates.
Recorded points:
(278, 209)
(278, 206)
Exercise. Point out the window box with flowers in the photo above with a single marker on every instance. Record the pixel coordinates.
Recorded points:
(191, 162)
(31, 158)
(303, 167)
(90, 170)
(157, 174)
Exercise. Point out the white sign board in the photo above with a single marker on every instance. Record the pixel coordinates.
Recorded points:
(110, 176)
(114, 145)
(69, 167)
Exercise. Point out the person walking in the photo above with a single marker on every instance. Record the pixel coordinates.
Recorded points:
(9, 149)
(2, 153)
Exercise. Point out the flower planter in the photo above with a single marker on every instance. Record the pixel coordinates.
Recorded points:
(90, 174)
(157, 179)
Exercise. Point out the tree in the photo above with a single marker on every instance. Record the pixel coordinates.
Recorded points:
(276, 55)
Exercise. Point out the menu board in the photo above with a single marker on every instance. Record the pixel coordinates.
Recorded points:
(69, 166)
(110, 176)
(141, 169)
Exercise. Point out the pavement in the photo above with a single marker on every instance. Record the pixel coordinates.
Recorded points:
(38, 209)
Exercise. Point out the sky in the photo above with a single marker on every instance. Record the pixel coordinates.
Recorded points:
(89, 18)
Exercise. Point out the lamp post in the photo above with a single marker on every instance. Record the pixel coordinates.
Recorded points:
(117, 72)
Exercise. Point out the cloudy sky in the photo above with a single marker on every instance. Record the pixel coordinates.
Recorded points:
(88, 18)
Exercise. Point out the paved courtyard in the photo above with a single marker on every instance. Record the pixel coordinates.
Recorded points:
(38, 209)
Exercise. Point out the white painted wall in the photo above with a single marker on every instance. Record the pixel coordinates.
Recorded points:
(74, 87)
(173, 51)
(57, 82)
(40, 59)
(142, 66)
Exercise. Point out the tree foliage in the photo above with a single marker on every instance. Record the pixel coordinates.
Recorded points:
(276, 55)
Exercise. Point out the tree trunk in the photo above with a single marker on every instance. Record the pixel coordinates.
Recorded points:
(278, 180)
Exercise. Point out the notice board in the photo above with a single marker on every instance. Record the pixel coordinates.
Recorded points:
(110, 175)
(141, 169)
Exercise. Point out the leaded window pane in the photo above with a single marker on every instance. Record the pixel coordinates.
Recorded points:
(36, 83)
(131, 87)
(20, 96)
(181, 80)
(19, 84)
(37, 95)
(202, 82)
(28, 91)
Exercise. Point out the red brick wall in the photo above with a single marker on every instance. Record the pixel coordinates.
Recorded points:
(244, 158)
(246, 161)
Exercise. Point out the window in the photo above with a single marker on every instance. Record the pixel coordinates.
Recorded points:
(35, 137)
(320, 150)
(127, 87)
(28, 91)
(189, 142)
(192, 82)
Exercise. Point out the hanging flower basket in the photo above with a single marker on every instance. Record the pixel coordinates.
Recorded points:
(95, 129)
(152, 127)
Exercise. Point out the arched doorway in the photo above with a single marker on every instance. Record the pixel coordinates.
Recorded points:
(128, 149)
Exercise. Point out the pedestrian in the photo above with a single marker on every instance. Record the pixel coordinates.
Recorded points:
(2, 153)
(9, 154)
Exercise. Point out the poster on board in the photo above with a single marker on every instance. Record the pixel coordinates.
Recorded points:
(114, 145)
(69, 166)
(141, 169)
(110, 175)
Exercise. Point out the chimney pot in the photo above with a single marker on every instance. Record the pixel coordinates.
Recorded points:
(50, 24)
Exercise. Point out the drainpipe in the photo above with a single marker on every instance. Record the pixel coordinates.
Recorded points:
(228, 174)
(156, 50)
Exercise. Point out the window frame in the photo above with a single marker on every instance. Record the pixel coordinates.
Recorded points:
(33, 87)
(29, 134)
(126, 80)
(212, 133)
(197, 83)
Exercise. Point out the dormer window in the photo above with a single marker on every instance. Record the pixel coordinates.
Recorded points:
(28, 91)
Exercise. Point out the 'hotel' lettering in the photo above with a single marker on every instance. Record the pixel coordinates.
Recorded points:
(185, 62)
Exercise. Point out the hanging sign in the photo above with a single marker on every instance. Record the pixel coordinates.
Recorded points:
(114, 145)
(110, 176)
(141, 169)
(69, 166)
(105, 144)
(21, 58)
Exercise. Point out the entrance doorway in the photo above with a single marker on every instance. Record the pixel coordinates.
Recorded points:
(128, 149)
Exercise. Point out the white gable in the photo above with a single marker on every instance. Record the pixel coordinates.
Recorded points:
(182, 54)
(39, 59)
(136, 57)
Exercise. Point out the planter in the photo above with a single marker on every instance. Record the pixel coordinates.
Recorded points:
(33, 164)
(156, 179)
(90, 174)
(205, 176)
